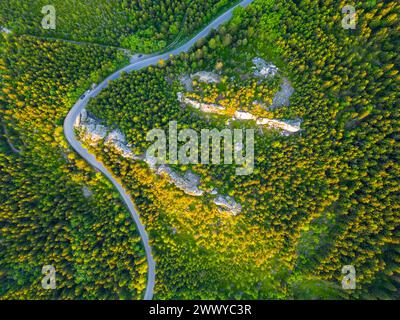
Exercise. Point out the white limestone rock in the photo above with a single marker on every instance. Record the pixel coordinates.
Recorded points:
(116, 135)
(117, 140)
(238, 146)
(288, 126)
(124, 150)
(81, 118)
(203, 107)
(151, 161)
(86, 192)
(5, 30)
(214, 192)
(192, 178)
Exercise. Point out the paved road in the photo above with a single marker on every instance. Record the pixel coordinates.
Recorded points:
(91, 159)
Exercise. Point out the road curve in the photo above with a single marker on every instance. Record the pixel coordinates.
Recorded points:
(91, 159)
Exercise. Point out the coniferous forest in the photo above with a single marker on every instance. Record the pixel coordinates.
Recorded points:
(317, 200)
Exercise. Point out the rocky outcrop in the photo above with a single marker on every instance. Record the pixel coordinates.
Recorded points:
(228, 205)
(189, 183)
(260, 103)
(5, 30)
(207, 77)
(118, 141)
(238, 146)
(186, 81)
(203, 107)
(289, 126)
(6, 135)
(80, 119)
(92, 131)
(282, 97)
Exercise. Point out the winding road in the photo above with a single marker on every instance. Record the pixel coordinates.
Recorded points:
(69, 132)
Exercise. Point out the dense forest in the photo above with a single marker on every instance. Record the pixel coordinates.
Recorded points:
(54, 209)
(143, 26)
(317, 200)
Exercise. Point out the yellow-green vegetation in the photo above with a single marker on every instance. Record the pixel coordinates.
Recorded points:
(54, 209)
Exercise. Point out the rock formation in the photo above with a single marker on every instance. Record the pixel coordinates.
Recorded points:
(92, 131)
